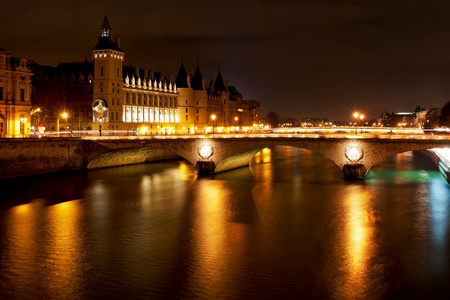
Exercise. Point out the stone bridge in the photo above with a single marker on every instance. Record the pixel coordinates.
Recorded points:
(214, 155)
(354, 156)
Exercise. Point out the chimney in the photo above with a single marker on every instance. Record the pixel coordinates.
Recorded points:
(146, 73)
(137, 72)
(226, 86)
(203, 84)
(118, 41)
(189, 81)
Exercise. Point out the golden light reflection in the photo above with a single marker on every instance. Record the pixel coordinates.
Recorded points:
(22, 245)
(358, 242)
(266, 155)
(210, 231)
(263, 156)
(64, 248)
(187, 171)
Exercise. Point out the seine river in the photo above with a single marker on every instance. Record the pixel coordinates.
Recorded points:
(289, 226)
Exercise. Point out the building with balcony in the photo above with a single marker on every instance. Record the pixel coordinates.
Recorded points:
(15, 100)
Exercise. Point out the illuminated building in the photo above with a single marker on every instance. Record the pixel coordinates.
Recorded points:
(420, 117)
(15, 100)
(135, 99)
(218, 105)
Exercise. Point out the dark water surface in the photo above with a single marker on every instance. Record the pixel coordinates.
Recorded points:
(286, 227)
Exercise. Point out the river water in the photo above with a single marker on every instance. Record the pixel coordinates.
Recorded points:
(289, 226)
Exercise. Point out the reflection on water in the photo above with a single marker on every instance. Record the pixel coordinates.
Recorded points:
(288, 226)
(359, 243)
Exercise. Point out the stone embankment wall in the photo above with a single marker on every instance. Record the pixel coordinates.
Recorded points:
(39, 156)
(442, 165)
(23, 157)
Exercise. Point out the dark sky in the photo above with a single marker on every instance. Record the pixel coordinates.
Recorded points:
(299, 58)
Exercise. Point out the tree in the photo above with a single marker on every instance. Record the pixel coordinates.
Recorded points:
(273, 119)
(444, 119)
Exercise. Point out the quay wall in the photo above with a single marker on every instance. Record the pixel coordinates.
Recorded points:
(39, 156)
(24, 157)
(442, 163)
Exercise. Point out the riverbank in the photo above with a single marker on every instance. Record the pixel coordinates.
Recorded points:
(441, 157)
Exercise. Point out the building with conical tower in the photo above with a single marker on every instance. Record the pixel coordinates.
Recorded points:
(218, 105)
(132, 100)
(127, 99)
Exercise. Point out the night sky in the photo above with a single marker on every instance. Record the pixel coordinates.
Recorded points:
(299, 58)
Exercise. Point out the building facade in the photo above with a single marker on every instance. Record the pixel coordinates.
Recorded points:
(132, 101)
(216, 107)
(67, 88)
(15, 100)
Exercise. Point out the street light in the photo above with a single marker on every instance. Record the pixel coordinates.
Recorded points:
(356, 115)
(33, 111)
(213, 117)
(23, 120)
(63, 116)
(236, 119)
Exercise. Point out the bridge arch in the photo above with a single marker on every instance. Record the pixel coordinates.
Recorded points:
(107, 153)
(129, 156)
(338, 151)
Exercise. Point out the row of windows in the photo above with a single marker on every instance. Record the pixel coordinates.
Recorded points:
(22, 94)
(105, 54)
(152, 115)
(131, 98)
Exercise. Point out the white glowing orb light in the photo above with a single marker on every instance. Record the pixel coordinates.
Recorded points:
(205, 151)
(354, 153)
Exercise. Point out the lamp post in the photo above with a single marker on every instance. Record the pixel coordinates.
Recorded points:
(213, 117)
(236, 119)
(36, 110)
(360, 116)
(63, 116)
(23, 120)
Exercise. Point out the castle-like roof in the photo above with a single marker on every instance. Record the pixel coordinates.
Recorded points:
(197, 80)
(181, 80)
(105, 42)
(219, 85)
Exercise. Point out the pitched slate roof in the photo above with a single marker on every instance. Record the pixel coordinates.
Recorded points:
(181, 80)
(219, 86)
(197, 80)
